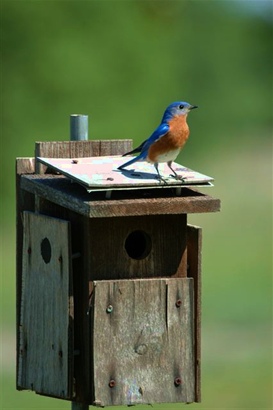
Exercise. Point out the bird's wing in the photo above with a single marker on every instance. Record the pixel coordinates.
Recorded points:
(161, 130)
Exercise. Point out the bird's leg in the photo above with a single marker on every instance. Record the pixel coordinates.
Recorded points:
(175, 175)
(159, 176)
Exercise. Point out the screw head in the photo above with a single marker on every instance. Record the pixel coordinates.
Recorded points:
(109, 309)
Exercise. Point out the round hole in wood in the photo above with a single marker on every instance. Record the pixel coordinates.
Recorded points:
(138, 244)
(46, 250)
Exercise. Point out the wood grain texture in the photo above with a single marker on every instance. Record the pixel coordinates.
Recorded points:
(60, 190)
(24, 200)
(79, 149)
(161, 239)
(194, 257)
(81, 248)
(143, 342)
(46, 322)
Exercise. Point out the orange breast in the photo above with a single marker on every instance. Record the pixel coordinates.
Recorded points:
(173, 140)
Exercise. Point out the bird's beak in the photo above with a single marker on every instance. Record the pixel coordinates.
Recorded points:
(193, 106)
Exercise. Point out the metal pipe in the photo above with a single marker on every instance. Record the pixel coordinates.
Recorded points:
(78, 127)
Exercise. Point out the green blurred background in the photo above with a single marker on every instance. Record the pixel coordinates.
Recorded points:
(122, 63)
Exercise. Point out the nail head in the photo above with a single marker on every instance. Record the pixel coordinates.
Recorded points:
(112, 383)
(177, 381)
(178, 303)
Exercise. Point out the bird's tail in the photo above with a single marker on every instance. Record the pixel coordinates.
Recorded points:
(135, 159)
(135, 151)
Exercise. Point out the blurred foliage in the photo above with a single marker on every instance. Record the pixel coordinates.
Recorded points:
(122, 63)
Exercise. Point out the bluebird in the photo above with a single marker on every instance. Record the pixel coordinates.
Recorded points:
(167, 140)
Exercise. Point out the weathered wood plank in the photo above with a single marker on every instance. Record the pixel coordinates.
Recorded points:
(194, 256)
(59, 189)
(24, 201)
(137, 247)
(25, 166)
(79, 149)
(46, 322)
(80, 247)
(143, 341)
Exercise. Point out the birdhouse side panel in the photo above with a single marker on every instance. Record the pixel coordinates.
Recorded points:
(46, 320)
(194, 256)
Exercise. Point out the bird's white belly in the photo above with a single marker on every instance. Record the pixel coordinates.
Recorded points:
(168, 156)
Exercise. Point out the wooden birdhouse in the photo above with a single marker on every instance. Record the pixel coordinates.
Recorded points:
(108, 288)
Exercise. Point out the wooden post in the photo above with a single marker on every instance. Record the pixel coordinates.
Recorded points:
(79, 132)
(79, 406)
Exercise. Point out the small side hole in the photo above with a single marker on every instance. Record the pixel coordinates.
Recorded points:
(46, 250)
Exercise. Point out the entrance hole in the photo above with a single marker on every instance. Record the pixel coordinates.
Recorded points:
(138, 244)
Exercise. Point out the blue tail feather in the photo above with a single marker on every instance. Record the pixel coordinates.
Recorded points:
(132, 161)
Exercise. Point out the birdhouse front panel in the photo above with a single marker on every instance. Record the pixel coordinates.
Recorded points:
(143, 341)
(46, 322)
(137, 247)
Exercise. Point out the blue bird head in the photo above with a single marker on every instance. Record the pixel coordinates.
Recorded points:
(177, 108)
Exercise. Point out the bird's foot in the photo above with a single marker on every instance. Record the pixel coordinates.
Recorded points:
(161, 179)
(178, 177)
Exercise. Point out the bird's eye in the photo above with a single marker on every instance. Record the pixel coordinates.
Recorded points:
(181, 106)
